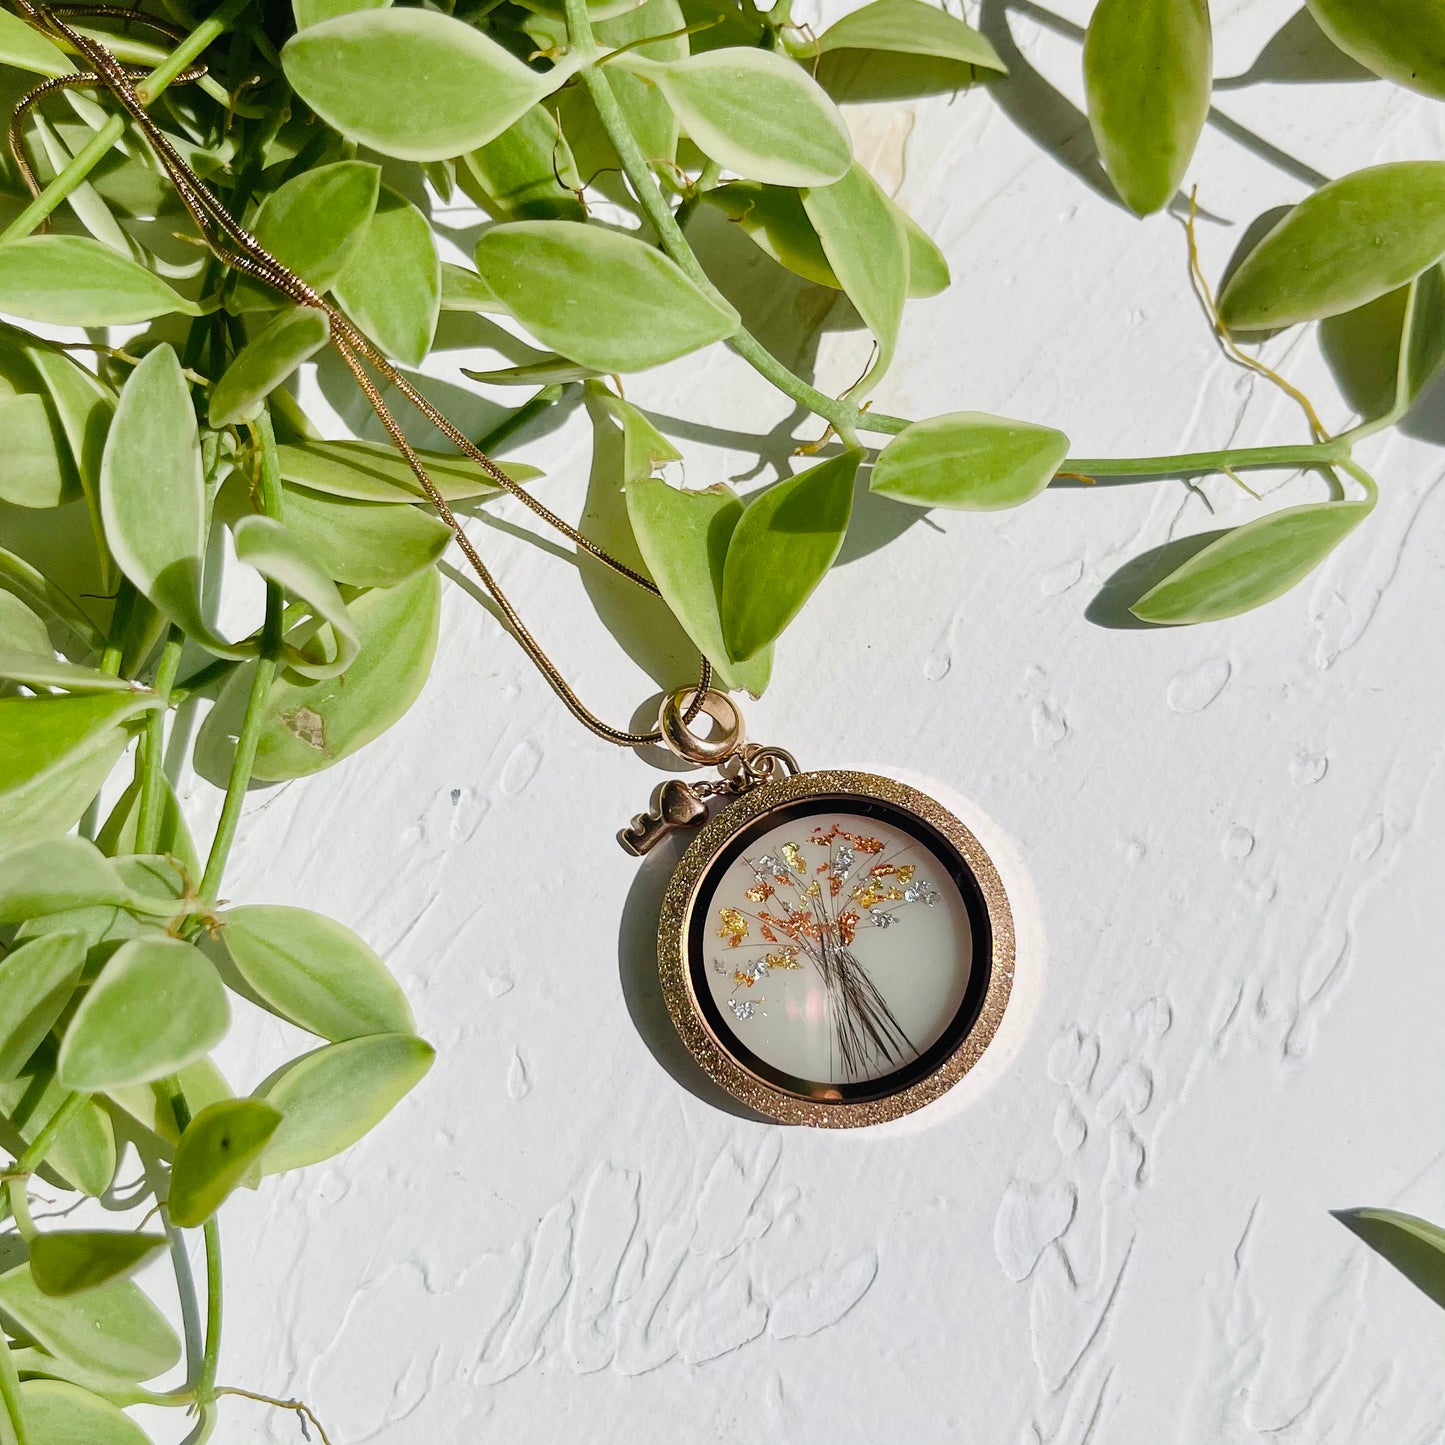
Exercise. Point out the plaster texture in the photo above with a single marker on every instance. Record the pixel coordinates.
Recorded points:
(1225, 843)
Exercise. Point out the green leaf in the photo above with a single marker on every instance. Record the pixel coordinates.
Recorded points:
(364, 544)
(1148, 72)
(464, 290)
(644, 448)
(862, 237)
(754, 112)
(515, 175)
(1252, 564)
(67, 1261)
(113, 1330)
(785, 542)
(61, 1413)
(910, 27)
(607, 300)
(265, 362)
(773, 218)
(78, 281)
(35, 469)
(411, 83)
(314, 972)
(315, 224)
(311, 725)
(36, 671)
(21, 630)
(215, 1155)
(683, 537)
(927, 265)
(36, 982)
(117, 833)
(392, 286)
(1401, 40)
(312, 12)
(83, 1154)
(1386, 352)
(156, 1006)
(377, 472)
(55, 752)
(549, 369)
(54, 874)
(329, 1098)
(968, 461)
(150, 1105)
(1352, 240)
(152, 492)
(24, 47)
(1414, 1246)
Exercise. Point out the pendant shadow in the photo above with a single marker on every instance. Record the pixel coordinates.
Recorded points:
(642, 988)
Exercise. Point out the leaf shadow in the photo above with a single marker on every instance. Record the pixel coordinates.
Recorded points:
(1110, 605)
(1299, 52)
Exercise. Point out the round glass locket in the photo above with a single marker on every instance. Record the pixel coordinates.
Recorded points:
(836, 949)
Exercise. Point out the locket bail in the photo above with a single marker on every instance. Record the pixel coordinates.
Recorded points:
(679, 738)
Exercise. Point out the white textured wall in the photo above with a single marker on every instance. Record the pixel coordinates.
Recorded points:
(1232, 1002)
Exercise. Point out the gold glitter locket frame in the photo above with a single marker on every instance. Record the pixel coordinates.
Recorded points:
(682, 949)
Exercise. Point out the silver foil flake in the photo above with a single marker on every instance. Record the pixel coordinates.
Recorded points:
(879, 919)
(921, 892)
(743, 1008)
(842, 865)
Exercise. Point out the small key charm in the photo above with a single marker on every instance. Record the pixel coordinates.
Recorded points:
(675, 804)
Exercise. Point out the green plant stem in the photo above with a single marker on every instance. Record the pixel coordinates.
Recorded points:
(151, 756)
(125, 597)
(214, 671)
(264, 437)
(211, 1359)
(15, 1189)
(211, 28)
(33, 1155)
(10, 1393)
(841, 415)
(93, 151)
(1318, 454)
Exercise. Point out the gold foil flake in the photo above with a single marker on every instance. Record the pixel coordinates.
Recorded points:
(788, 958)
(760, 892)
(874, 892)
(732, 926)
(813, 890)
(793, 857)
(905, 874)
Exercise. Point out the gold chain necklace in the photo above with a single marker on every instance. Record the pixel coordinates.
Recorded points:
(835, 948)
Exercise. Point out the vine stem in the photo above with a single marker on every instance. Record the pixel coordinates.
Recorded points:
(264, 437)
(1312, 454)
(93, 152)
(211, 1359)
(10, 1393)
(844, 417)
(150, 758)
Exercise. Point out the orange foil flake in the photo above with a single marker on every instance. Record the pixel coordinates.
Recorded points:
(732, 926)
(835, 887)
(760, 892)
(881, 870)
(801, 923)
(768, 933)
(863, 843)
(847, 927)
(821, 839)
